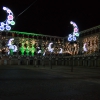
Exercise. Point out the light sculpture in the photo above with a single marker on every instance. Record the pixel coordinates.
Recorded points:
(49, 47)
(33, 50)
(61, 50)
(39, 51)
(6, 25)
(28, 48)
(22, 49)
(85, 47)
(73, 36)
(12, 48)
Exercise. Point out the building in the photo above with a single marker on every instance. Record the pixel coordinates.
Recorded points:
(29, 48)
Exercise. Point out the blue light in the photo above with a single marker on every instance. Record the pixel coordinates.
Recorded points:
(8, 28)
(69, 38)
(1, 28)
(74, 38)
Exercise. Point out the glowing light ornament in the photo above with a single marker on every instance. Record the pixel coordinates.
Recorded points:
(33, 50)
(61, 50)
(12, 48)
(6, 25)
(75, 34)
(39, 50)
(44, 54)
(22, 49)
(49, 47)
(85, 48)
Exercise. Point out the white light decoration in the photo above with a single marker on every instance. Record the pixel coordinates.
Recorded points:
(84, 47)
(44, 54)
(6, 25)
(49, 47)
(61, 50)
(75, 34)
(39, 51)
(11, 46)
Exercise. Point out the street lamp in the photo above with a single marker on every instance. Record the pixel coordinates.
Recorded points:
(72, 38)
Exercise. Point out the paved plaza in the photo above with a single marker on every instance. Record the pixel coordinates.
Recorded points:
(44, 83)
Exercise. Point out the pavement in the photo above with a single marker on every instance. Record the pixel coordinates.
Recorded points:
(44, 83)
(65, 71)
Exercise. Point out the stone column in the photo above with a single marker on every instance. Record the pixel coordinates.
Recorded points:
(89, 61)
(83, 62)
(69, 61)
(10, 60)
(43, 61)
(78, 63)
(19, 60)
(27, 60)
(64, 60)
(86, 61)
(95, 61)
(38, 61)
(73, 62)
(35, 61)
(56, 61)
(50, 62)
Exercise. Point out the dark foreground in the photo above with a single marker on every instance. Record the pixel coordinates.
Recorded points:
(30, 83)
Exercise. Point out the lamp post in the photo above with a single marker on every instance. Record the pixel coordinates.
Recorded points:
(72, 38)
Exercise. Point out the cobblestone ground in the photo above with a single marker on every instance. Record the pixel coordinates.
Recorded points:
(44, 83)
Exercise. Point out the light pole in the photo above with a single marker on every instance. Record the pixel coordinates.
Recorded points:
(72, 38)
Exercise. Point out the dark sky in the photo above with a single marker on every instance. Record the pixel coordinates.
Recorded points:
(52, 17)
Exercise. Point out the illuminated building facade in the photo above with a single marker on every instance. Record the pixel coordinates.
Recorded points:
(27, 48)
(17, 45)
(87, 50)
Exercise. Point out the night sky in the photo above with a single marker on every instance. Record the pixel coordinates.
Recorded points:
(52, 17)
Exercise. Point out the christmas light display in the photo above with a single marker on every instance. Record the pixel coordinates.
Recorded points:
(12, 48)
(61, 50)
(49, 47)
(28, 48)
(75, 34)
(85, 47)
(39, 50)
(6, 25)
